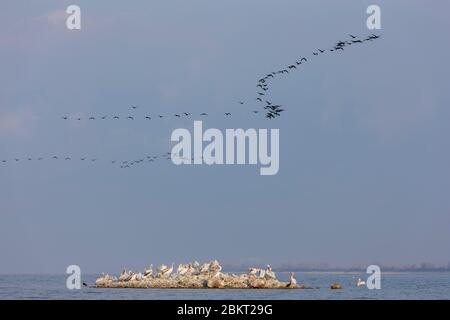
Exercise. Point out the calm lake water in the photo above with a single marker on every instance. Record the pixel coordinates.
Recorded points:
(393, 286)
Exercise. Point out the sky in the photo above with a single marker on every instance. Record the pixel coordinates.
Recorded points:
(364, 148)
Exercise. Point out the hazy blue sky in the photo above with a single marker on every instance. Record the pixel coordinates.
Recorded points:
(364, 169)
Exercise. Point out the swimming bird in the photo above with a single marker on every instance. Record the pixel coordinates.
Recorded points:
(360, 282)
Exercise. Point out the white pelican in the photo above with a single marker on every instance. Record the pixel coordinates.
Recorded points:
(215, 266)
(136, 277)
(292, 280)
(165, 272)
(269, 273)
(124, 276)
(182, 269)
(204, 268)
(252, 271)
(262, 273)
(360, 282)
(148, 272)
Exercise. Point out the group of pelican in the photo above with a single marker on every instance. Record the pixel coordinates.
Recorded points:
(266, 273)
(211, 268)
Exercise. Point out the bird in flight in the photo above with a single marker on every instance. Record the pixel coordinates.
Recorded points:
(303, 59)
(315, 53)
(227, 113)
(148, 118)
(134, 107)
(91, 118)
(242, 102)
(65, 117)
(160, 116)
(352, 36)
(104, 117)
(67, 158)
(130, 117)
(116, 117)
(203, 114)
(259, 99)
(292, 67)
(321, 51)
(187, 114)
(177, 115)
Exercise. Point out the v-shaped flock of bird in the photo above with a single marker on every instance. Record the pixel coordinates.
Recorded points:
(270, 109)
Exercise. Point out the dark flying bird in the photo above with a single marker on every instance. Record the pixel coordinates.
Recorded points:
(116, 117)
(65, 117)
(91, 118)
(147, 117)
(292, 67)
(203, 114)
(130, 117)
(227, 113)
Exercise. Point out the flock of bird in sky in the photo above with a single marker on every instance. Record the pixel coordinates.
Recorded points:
(270, 109)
